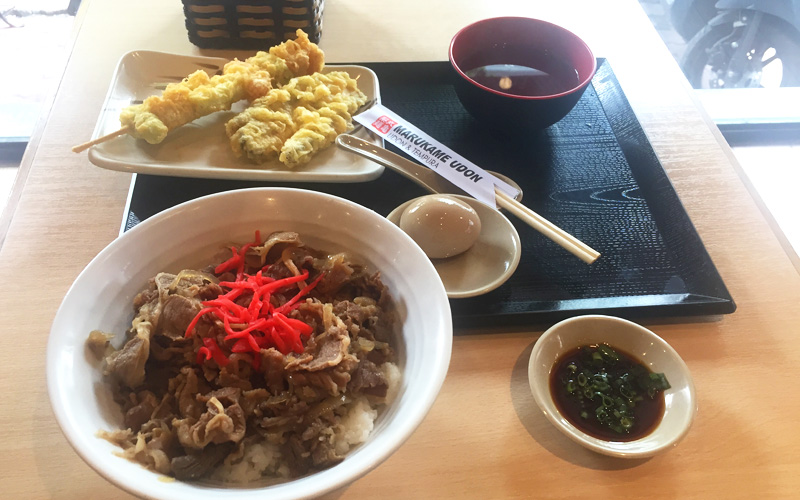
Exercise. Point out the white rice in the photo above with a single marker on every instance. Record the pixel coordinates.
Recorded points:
(393, 376)
(355, 426)
(260, 459)
(263, 459)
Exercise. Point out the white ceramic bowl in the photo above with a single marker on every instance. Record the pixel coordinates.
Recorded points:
(648, 348)
(192, 233)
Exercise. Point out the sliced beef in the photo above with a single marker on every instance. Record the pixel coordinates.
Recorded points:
(333, 380)
(139, 414)
(178, 311)
(324, 455)
(127, 364)
(337, 273)
(195, 466)
(186, 386)
(219, 423)
(326, 362)
(369, 379)
(323, 352)
(166, 307)
(273, 363)
(145, 296)
(253, 401)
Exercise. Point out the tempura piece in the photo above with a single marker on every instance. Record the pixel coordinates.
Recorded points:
(181, 103)
(301, 56)
(200, 95)
(295, 121)
(318, 129)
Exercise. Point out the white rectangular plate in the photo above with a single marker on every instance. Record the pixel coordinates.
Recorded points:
(201, 148)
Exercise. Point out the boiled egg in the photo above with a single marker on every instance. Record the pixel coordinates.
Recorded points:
(443, 226)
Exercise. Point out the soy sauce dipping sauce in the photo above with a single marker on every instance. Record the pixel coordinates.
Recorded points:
(522, 71)
(607, 393)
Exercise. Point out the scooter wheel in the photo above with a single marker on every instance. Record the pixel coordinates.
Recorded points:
(707, 60)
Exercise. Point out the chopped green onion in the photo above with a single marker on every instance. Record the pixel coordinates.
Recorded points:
(608, 385)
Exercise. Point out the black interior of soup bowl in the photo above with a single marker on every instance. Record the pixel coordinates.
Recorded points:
(519, 74)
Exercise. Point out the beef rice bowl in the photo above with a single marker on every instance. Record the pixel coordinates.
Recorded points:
(270, 362)
(188, 237)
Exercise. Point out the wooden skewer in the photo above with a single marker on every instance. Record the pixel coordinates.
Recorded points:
(544, 226)
(124, 130)
(86, 145)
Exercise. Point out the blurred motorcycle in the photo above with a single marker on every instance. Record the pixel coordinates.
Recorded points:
(739, 43)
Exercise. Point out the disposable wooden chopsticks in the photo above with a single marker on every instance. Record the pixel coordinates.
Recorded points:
(432, 181)
(564, 239)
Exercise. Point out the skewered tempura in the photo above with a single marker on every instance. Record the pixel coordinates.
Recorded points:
(200, 95)
(297, 120)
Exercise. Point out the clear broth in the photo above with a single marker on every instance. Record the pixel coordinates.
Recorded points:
(522, 72)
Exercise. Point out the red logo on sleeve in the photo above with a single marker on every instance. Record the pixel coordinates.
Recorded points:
(384, 124)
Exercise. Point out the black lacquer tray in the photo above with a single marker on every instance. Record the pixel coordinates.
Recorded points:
(594, 174)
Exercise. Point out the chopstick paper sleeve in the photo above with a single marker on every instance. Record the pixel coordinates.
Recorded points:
(429, 152)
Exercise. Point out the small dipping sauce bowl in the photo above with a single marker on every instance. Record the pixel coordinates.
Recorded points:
(642, 345)
(519, 75)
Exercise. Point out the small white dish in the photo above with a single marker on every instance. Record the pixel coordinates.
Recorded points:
(680, 401)
(488, 263)
(201, 148)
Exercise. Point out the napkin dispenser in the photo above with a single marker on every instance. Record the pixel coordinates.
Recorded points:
(250, 24)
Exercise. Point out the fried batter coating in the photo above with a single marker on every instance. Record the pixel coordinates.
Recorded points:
(200, 95)
(195, 96)
(295, 121)
(301, 55)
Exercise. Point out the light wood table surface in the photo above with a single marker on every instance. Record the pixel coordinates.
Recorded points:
(484, 437)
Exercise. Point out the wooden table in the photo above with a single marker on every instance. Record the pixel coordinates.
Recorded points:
(484, 438)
